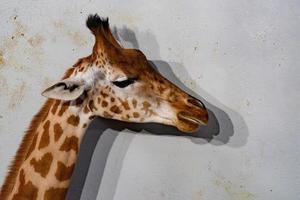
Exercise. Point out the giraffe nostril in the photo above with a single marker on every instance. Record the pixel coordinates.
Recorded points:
(196, 102)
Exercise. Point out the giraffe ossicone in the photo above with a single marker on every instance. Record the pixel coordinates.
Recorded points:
(112, 82)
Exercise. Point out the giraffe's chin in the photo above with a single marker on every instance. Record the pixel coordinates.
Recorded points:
(187, 127)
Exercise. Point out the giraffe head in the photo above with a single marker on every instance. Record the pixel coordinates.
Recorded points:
(121, 84)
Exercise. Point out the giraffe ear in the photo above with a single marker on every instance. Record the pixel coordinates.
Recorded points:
(67, 89)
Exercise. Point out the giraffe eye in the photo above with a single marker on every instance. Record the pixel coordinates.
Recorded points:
(124, 83)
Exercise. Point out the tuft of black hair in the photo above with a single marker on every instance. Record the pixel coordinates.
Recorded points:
(94, 22)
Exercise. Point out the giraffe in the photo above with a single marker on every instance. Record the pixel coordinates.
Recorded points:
(112, 82)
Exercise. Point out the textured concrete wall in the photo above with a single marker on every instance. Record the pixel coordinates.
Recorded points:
(242, 57)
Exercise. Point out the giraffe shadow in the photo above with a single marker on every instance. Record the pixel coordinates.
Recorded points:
(103, 134)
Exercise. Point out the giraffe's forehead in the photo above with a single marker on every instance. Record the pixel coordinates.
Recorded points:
(114, 65)
(92, 70)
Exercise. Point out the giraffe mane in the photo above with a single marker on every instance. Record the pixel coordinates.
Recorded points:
(25, 144)
(23, 149)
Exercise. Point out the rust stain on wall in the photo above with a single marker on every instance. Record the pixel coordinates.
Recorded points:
(76, 37)
(36, 40)
(2, 62)
(20, 46)
(10, 44)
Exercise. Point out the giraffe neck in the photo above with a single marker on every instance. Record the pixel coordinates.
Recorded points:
(51, 155)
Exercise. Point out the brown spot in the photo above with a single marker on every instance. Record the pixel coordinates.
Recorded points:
(107, 115)
(73, 120)
(25, 191)
(151, 86)
(161, 89)
(70, 143)
(32, 146)
(146, 106)
(125, 105)
(45, 139)
(115, 109)
(128, 116)
(55, 106)
(42, 166)
(134, 102)
(63, 172)
(136, 114)
(103, 94)
(86, 109)
(84, 125)
(92, 105)
(104, 103)
(63, 108)
(55, 193)
(99, 100)
(112, 99)
(57, 131)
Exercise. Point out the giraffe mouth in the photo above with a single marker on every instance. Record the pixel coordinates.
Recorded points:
(189, 118)
(189, 123)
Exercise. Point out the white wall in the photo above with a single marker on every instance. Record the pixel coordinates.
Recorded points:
(242, 57)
